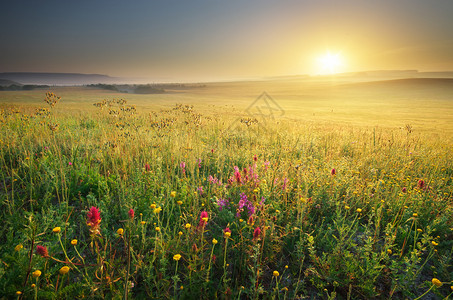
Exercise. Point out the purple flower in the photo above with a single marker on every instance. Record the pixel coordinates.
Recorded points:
(222, 203)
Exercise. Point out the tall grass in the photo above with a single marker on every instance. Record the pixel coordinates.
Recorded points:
(314, 210)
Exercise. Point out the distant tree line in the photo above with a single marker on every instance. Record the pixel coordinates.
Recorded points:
(26, 87)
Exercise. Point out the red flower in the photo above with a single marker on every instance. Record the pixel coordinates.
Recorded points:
(256, 233)
(333, 172)
(42, 250)
(93, 220)
(421, 184)
(404, 190)
(147, 167)
(131, 213)
(203, 219)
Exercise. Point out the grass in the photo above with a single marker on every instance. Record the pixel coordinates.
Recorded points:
(315, 204)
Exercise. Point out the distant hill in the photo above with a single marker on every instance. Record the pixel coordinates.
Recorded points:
(7, 82)
(58, 78)
(445, 83)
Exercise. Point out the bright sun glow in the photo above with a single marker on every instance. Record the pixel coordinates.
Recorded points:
(330, 63)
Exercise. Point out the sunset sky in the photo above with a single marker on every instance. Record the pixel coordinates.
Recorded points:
(169, 40)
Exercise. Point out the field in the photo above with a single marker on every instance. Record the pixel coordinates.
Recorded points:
(316, 189)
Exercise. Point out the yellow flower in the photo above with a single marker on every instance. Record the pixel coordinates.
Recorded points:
(255, 191)
(241, 220)
(18, 247)
(157, 210)
(436, 282)
(415, 215)
(157, 228)
(179, 202)
(389, 251)
(33, 286)
(173, 194)
(36, 273)
(153, 206)
(359, 210)
(18, 293)
(74, 242)
(64, 270)
(419, 230)
(143, 222)
(188, 226)
(346, 207)
(227, 234)
(214, 241)
(277, 211)
(286, 267)
(275, 273)
(181, 288)
(120, 231)
(177, 257)
(434, 243)
(180, 233)
(56, 229)
(205, 219)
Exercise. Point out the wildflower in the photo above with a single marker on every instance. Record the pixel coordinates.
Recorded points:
(404, 190)
(42, 250)
(286, 267)
(143, 222)
(434, 243)
(74, 242)
(346, 207)
(18, 247)
(147, 167)
(36, 273)
(333, 172)
(64, 270)
(120, 231)
(179, 202)
(182, 287)
(188, 226)
(157, 210)
(176, 257)
(56, 230)
(415, 215)
(389, 251)
(33, 286)
(421, 184)
(359, 210)
(227, 232)
(275, 273)
(152, 206)
(214, 241)
(131, 213)
(94, 219)
(18, 293)
(180, 233)
(419, 230)
(203, 219)
(173, 194)
(157, 229)
(436, 282)
(222, 203)
(70, 163)
(256, 233)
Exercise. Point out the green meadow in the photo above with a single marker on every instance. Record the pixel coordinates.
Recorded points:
(320, 189)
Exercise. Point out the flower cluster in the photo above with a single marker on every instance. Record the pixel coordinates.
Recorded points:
(244, 202)
(93, 220)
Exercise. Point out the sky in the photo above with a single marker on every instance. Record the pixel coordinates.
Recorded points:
(208, 40)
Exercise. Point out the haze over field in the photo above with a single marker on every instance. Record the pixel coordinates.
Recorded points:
(205, 40)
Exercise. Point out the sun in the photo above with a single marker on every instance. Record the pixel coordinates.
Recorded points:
(329, 63)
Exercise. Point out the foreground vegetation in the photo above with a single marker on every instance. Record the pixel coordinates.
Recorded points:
(177, 204)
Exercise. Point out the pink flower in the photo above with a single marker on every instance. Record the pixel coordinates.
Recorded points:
(42, 250)
(333, 172)
(131, 213)
(147, 167)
